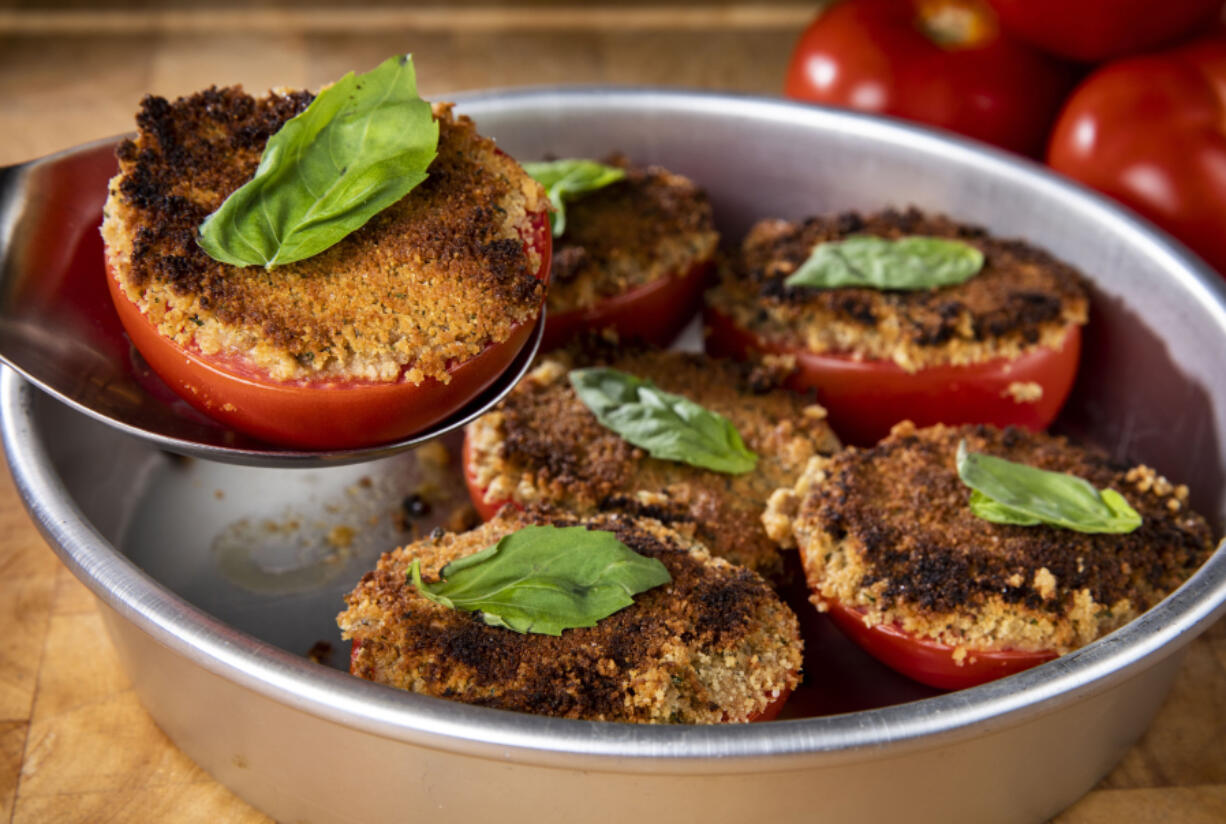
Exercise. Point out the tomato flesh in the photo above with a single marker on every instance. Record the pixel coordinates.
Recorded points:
(864, 398)
(486, 510)
(653, 313)
(927, 661)
(321, 414)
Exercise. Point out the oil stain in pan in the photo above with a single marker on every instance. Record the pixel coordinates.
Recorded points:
(293, 552)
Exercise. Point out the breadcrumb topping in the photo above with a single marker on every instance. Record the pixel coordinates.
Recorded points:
(650, 225)
(428, 282)
(541, 444)
(888, 530)
(715, 645)
(1022, 299)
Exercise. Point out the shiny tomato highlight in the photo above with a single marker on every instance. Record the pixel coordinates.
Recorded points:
(927, 661)
(940, 62)
(653, 313)
(864, 398)
(323, 414)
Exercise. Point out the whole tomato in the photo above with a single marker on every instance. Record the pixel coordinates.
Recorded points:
(1096, 30)
(941, 62)
(1151, 132)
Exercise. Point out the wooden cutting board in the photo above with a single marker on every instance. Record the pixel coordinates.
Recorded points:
(75, 745)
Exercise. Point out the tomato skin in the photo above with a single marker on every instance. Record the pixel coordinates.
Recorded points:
(653, 313)
(927, 661)
(1097, 30)
(320, 415)
(874, 55)
(1151, 132)
(864, 398)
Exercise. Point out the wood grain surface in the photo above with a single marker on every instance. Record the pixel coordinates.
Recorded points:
(75, 745)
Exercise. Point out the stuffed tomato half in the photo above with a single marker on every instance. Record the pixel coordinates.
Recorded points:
(903, 316)
(395, 324)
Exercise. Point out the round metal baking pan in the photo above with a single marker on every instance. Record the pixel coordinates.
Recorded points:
(215, 639)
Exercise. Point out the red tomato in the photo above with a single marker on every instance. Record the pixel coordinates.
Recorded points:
(475, 490)
(320, 414)
(941, 62)
(654, 312)
(927, 661)
(1096, 30)
(1151, 132)
(864, 398)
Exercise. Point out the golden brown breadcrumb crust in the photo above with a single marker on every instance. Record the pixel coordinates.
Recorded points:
(889, 530)
(1021, 299)
(429, 281)
(714, 645)
(543, 445)
(649, 225)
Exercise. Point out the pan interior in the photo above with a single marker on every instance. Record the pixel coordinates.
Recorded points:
(270, 552)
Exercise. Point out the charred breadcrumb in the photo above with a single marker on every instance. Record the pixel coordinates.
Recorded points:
(889, 530)
(715, 645)
(541, 444)
(1022, 299)
(429, 281)
(647, 226)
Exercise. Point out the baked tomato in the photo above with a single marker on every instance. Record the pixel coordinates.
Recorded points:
(1096, 30)
(927, 661)
(1151, 132)
(653, 313)
(321, 415)
(864, 398)
(476, 492)
(940, 62)
(769, 713)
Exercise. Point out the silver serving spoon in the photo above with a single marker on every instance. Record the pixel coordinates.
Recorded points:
(59, 330)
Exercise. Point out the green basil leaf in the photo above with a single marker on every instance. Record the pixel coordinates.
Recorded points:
(998, 513)
(545, 579)
(566, 179)
(360, 146)
(668, 426)
(1006, 492)
(879, 263)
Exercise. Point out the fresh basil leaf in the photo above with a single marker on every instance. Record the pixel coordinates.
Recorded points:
(566, 179)
(1006, 492)
(909, 263)
(668, 426)
(998, 513)
(360, 146)
(545, 579)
